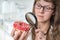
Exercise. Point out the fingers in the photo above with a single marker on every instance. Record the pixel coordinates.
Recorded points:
(13, 32)
(39, 35)
(23, 35)
(37, 30)
(17, 34)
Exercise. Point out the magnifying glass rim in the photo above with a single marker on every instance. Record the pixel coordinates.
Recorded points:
(34, 17)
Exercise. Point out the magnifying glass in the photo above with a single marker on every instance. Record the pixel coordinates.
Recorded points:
(31, 19)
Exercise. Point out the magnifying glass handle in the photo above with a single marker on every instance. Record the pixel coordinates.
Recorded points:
(33, 26)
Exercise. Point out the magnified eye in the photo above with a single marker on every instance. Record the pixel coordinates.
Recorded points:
(48, 8)
(31, 18)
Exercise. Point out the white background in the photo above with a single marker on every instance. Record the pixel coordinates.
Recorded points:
(10, 11)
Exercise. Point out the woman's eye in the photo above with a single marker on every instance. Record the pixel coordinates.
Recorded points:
(39, 5)
(47, 8)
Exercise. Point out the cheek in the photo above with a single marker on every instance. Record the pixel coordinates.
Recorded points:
(36, 11)
(48, 15)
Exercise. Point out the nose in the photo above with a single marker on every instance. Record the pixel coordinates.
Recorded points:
(42, 10)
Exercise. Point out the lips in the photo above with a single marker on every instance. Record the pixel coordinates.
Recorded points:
(40, 16)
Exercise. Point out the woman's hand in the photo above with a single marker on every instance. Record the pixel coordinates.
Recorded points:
(20, 30)
(19, 35)
(39, 35)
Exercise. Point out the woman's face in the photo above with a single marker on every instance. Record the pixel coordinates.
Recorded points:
(43, 10)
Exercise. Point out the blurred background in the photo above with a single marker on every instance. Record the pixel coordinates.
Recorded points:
(10, 11)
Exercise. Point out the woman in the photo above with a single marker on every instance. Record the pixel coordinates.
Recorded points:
(47, 13)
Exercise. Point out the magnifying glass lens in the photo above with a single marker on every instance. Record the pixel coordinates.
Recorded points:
(31, 18)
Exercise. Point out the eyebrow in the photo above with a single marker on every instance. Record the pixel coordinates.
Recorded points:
(45, 5)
